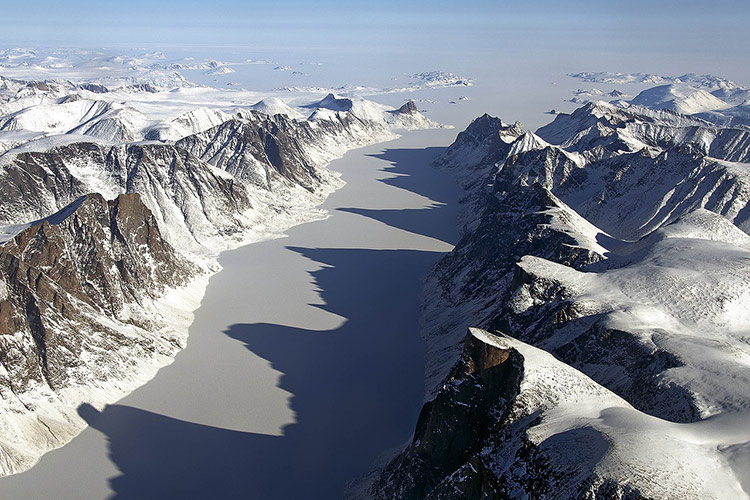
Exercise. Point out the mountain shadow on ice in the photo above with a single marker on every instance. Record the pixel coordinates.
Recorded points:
(357, 390)
(408, 166)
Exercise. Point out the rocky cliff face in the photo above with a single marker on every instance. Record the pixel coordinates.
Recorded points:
(193, 202)
(617, 250)
(79, 311)
(266, 151)
(471, 403)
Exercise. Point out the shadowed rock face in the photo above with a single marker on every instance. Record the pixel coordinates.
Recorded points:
(334, 103)
(35, 185)
(408, 108)
(452, 427)
(264, 150)
(95, 257)
(169, 181)
(257, 151)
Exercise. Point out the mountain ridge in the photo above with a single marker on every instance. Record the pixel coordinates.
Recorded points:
(616, 246)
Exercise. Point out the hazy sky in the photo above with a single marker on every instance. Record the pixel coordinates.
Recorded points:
(664, 36)
(234, 21)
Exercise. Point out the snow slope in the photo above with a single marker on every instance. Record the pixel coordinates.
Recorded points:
(680, 98)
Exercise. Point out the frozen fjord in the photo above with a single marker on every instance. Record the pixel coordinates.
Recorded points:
(303, 363)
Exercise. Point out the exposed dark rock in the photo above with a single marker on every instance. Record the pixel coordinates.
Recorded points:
(169, 180)
(452, 427)
(333, 103)
(94, 87)
(408, 108)
(93, 257)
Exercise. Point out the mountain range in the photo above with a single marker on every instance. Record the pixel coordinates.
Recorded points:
(586, 337)
(603, 276)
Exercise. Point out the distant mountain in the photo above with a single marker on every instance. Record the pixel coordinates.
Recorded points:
(609, 255)
(723, 106)
(680, 98)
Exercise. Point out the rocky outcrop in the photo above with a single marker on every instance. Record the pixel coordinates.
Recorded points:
(472, 402)
(408, 108)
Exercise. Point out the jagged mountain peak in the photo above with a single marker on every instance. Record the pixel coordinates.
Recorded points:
(408, 108)
(527, 142)
(485, 141)
(333, 103)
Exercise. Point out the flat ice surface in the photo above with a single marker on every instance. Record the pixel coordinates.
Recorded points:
(304, 362)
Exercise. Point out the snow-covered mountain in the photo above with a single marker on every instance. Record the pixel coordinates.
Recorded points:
(608, 252)
(711, 98)
(722, 105)
(680, 98)
(275, 106)
(114, 207)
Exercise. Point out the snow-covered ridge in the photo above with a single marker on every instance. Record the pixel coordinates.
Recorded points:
(615, 242)
(680, 98)
(712, 98)
(512, 420)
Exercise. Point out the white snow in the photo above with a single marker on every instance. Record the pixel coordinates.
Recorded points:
(276, 106)
(691, 284)
(680, 98)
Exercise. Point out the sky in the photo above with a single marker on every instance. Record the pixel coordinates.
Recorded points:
(226, 22)
(483, 39)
